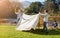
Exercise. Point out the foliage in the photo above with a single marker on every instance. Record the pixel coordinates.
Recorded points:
(52, 5)
(13, 6)
(7, 8)
(33, 8)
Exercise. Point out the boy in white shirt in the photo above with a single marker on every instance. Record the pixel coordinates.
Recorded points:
(45, 19)
(18, 13)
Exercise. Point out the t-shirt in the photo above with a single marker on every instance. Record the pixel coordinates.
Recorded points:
(46, 15)
(18, 14)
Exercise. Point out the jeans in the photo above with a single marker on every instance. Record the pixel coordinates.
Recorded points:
(45, 26)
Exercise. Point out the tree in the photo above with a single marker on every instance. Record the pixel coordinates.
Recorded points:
(7, 8)
(33, 8)
(13, 4)
(52, 4)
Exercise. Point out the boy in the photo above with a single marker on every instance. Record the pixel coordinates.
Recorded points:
(45, 19)
(55, 24)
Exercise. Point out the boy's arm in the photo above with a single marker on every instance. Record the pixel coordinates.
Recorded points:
(42, 14)
(17, 13)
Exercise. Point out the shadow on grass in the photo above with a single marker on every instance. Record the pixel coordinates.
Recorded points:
(41, 32)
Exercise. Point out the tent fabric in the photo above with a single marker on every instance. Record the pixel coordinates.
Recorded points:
(28, 22)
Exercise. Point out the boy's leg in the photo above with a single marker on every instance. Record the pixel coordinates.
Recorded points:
(45, 26)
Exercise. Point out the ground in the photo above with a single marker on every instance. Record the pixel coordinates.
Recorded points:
(9, 31)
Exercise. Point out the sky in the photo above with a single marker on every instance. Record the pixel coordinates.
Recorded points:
(32, 0)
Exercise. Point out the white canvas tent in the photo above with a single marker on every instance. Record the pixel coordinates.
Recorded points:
(28, 22)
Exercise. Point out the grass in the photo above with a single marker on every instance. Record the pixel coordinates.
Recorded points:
(9, 31)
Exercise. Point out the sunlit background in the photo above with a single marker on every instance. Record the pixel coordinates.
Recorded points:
(6, 7)
(32, 0)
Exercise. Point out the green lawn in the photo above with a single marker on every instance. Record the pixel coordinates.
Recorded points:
(8, 31)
